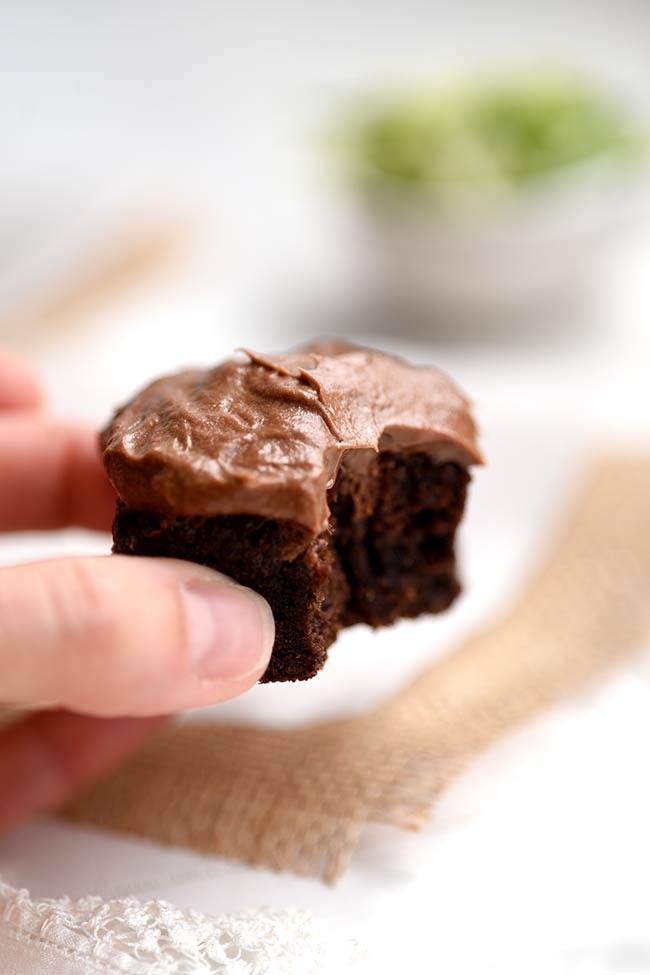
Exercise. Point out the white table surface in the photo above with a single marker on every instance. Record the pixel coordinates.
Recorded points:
(537, 859)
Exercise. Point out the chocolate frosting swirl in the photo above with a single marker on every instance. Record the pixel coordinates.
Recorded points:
(267, 435)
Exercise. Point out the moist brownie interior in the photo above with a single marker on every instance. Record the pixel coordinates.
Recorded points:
(388, 552)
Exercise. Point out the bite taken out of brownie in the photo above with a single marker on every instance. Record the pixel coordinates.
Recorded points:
(331, 480)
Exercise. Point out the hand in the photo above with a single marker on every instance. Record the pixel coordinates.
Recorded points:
(98, 647)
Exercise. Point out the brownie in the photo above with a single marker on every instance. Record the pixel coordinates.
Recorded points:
(360, 529)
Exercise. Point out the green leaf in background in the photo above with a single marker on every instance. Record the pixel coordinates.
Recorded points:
(487, 134)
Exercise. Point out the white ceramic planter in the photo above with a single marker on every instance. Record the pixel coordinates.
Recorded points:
(507, 255)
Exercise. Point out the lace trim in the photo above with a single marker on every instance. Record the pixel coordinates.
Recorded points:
(156, 938)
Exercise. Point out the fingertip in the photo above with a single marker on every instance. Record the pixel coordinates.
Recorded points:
(230, 629)
(215, 646)
(20, 389)
(91, 495)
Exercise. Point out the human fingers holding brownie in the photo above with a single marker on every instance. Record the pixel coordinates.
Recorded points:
(107, 637)
(103, 637)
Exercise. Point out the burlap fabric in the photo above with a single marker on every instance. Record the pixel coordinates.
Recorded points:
(298, 800)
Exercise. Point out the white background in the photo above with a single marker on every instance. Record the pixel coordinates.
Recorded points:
(210, 114)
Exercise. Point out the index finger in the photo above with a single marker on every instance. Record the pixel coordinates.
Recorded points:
(51, 475)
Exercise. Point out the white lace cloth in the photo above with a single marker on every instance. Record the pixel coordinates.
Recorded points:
(93, 936)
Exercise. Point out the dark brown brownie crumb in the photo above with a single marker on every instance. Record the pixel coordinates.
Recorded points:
(388, 553)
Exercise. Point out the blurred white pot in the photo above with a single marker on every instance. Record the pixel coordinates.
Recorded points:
(507, 255)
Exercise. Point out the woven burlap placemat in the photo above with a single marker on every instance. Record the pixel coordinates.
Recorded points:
(298, 799)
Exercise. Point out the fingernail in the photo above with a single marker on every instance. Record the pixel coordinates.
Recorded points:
(230, 630)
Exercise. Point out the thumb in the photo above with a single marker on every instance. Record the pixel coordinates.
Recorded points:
(122, 635)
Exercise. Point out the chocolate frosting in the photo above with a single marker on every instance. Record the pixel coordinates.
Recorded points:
(267, 435)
